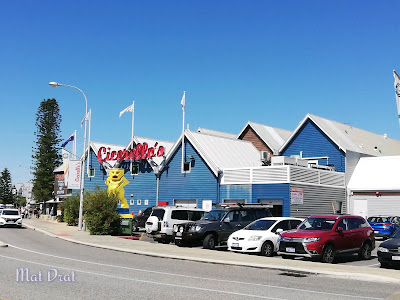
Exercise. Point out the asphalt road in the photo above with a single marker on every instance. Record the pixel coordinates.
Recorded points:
(104, 274)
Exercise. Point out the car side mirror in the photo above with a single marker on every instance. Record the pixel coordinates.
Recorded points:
(279, 231)
(339, 229)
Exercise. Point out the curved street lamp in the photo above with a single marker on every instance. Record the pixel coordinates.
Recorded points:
(56, 84)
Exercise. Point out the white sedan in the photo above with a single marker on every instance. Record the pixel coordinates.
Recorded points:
(262, 235)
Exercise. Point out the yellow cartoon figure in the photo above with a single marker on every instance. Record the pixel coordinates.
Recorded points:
(116, 182)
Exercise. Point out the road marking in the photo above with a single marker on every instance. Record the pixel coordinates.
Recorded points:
(145, 281)
(190, 276)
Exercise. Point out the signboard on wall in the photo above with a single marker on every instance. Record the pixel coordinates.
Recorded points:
(296, 196)
(74, 175)
(59, 185)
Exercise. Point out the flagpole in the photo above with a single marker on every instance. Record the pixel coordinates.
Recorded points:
(88, 142)
(74, 145)
(133, 118)
(397, 91)
(183, 128)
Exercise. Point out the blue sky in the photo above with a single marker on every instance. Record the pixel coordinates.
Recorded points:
(270, 62)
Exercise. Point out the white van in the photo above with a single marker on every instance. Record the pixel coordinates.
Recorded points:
(163, 218)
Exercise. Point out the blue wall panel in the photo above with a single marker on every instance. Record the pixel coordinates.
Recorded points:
(273, 192)
(314, 143)
(200, 183)
(142, 186)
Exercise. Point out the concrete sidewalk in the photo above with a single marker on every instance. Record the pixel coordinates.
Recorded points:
(70, 233)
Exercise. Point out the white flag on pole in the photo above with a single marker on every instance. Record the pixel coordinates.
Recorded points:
(183, 101)
(86, 117)
(397, 88)
(129, 108)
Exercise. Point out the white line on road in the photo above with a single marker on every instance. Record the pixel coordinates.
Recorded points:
(191, 277)
(143, 281)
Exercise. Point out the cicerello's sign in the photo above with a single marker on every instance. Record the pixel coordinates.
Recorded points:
(141, 151)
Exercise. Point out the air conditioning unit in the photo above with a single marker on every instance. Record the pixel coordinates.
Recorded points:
(265, 156)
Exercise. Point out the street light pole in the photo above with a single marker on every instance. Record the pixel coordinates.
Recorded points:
(55, 84)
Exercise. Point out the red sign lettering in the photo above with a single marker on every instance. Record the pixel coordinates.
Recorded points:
(142, 151)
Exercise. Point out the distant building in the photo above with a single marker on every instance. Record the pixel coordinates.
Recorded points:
(25, 190)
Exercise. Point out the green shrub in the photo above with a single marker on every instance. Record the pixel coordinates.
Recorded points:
(101, 216)
(71, 209)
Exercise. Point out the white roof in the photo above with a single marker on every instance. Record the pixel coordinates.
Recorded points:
(376, 173)
(217, 133)
(349, 138)
(220, 153)
(273, 137)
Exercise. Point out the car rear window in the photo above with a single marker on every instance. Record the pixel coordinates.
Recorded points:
(317, 224)
(10, 212)
(378, 220)
(159, 213)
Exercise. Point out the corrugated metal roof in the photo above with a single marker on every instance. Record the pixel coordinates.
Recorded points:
(376, 174)
(221, 153)
(273, 137)
(217, 133)
(347, 137)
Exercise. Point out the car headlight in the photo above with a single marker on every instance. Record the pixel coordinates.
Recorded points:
(382, 249)
(195, 228)
(311, 240)
(255, 238)
(175, 228)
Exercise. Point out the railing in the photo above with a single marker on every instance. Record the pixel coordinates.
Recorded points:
(283, 174)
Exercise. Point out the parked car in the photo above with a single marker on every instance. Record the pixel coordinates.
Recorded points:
(217, 225)
(384, 226)
(261, 236)
(139, 221)
(162, 219)
(324, 236)
(10, 217)
(389, 251)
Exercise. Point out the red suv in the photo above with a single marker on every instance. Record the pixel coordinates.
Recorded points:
(324, 236)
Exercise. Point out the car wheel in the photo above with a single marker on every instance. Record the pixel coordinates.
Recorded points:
(180, 243)
(135, 227)
(328, 255)
(365, 251)
(267, 249)
(209, 242)
(284, 256)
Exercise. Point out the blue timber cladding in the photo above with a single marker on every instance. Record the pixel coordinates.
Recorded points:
(314, 143)
(252, 193)
(200, 183)
(142, 186)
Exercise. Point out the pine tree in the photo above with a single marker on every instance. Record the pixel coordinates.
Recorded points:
(6, 196)
(46, 155)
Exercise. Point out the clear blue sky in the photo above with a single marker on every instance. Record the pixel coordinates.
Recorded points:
(270, 62)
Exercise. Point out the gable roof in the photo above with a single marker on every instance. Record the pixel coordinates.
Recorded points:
(273, 137)
(220, 152)
(376, 174)
(349, 138)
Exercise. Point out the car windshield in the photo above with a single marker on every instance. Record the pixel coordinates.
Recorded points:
(214, 215)
(260, 225)
(317, 224)
(10, 212)
(396, 234)
(378, 220)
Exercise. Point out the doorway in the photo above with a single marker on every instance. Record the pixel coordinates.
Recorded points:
(275, 206)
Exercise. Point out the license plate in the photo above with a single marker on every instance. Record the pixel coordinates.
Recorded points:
(235, 244)
(395, 257)
(179, 233)
(290, 249)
